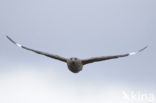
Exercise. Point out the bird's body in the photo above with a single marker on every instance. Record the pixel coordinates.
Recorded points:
(74, 64)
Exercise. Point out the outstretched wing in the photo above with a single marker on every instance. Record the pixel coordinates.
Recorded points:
(96, 59)
(39, 52)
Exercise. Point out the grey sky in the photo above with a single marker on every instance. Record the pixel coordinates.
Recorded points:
(82, 28)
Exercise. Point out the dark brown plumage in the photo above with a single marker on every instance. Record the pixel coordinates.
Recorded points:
(74, 64)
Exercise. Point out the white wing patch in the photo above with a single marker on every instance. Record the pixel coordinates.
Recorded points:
(133, 53)
(19, 45)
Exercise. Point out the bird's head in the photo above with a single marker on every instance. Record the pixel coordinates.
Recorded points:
(73, 59)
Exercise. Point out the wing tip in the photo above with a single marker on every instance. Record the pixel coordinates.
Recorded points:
(133, 53)
(19, 45)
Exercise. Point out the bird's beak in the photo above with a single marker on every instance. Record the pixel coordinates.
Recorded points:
(73, 61)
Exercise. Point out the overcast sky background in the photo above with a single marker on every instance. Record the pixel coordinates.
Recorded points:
(79, 28)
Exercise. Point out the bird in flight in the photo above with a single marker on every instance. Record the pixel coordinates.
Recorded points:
(74, 64)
